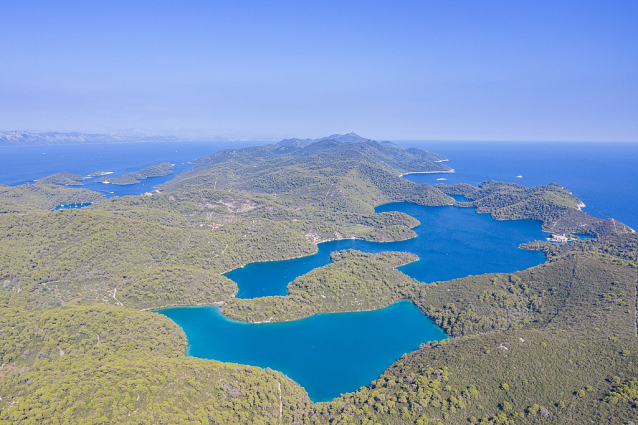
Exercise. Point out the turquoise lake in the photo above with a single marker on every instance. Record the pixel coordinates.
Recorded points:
(452, 242)
(328, 354)
(331, 354)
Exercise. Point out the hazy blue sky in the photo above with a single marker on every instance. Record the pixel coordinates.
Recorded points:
(472, 70)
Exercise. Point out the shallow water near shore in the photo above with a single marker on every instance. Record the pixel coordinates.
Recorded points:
(328, 354)
(452, 242)
(74, 206)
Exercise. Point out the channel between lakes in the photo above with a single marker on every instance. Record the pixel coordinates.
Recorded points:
(331, 354)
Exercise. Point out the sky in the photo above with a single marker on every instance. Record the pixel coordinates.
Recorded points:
(401, 70)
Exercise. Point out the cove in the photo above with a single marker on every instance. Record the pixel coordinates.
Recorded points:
(72, 206)
(451, 242)
(327, 354)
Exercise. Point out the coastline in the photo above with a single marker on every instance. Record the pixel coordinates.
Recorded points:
(335, 312)
(324, 312)
(182, 305)
(427, 172)
(317, 246)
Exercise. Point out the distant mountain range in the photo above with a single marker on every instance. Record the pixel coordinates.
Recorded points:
(25, 138)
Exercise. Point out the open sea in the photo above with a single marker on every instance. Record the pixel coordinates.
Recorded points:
(603, 175)
(25, 164)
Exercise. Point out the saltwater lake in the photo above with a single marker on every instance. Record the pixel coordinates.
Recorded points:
(452, 242)
(328, 354)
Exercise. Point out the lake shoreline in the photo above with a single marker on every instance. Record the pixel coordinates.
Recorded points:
(152, 309)
(291, 347)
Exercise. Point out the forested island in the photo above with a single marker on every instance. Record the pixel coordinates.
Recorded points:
(556, 343)
(65, 179)
(157, 170)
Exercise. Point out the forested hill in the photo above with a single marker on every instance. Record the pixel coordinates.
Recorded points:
(289, 145)
(291, 163)
(558, 209)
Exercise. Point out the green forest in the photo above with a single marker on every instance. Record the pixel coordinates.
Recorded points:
(554, 344)
(157, 170)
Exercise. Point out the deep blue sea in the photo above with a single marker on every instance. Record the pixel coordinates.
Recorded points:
(603, 175)
(335, 353)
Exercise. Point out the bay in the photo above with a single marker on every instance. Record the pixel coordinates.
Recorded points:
(73, 206)
(26, 164)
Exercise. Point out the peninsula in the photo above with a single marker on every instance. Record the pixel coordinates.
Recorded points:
(157, 170)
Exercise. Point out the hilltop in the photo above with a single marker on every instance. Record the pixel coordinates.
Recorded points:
(289, 166)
